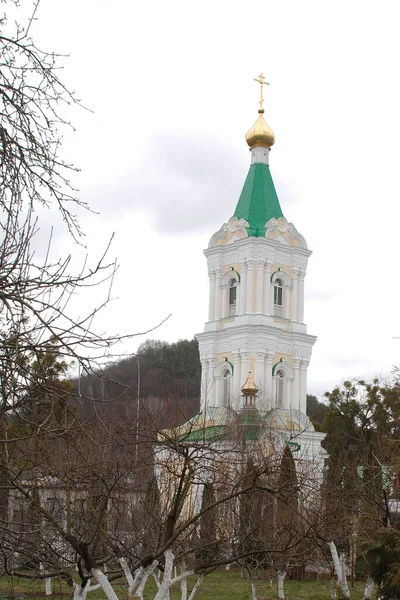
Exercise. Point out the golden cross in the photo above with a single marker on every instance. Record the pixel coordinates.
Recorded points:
(262, 81)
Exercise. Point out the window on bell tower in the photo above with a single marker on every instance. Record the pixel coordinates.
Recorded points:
(226, 388)
(279, 387)
(278, 297)
(232, 297)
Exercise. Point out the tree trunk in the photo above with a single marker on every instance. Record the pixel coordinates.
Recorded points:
(139, 585)
(198, 583)
(79, 592)
(343, 578)
(253, 591)
(163, 590)
(48, 586)
(128, 574)
(340, 569)
(369, 588)
(281, 577)
(333, 588)
(105, 584)
(183, 582)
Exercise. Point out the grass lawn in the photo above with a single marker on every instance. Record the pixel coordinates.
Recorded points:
(220, 585)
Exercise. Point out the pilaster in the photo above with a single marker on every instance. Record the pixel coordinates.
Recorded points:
(260, 286)
(243, 283)
(236, 381)
(295, 400)
(224, 307)
(250, 286)
(211, 302)
(303, 386)
(204, 385)
(211, 385)
(217, 309)
(259, 377)
(293, 300)
(267, 288)
(300, 300)
(268, 379)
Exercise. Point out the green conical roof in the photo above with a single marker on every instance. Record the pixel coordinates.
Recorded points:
(258, 202)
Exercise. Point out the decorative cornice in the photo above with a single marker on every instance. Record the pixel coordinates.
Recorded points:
(240, 253)
(246, 345)
(234, 224)
(287, 230)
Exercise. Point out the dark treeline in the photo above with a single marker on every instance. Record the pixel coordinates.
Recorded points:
(160, 382)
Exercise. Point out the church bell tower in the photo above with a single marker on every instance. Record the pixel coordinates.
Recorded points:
(257, 265)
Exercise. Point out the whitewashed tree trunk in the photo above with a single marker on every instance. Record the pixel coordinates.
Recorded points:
(128, 574)
(253, 591)
(184, 589)
(281, 577)
(47, 583)
(196, 586)
(105, 584)
(369, 588)
(343, 578)
(183, 582)
(163, 590)
(139, 584)
(333, 589)
(79, 593)
(340, 569)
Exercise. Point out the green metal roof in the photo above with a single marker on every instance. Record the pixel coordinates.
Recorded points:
(258, 202)
(208, 434)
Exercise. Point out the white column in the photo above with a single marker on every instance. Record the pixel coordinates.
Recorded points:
(217, 390)
(259, 379)
(242, 292)
(211, 302)
(300, 298)
(204, 384)
(211, 382)
(217, 310)
(268, 379)
(249, 286)
(260, 286)
(267, 288)
(293, 299)
(303, 386)
(244, 368)
(236, 381)
(286, 300)
(224, 308)
(295, 384)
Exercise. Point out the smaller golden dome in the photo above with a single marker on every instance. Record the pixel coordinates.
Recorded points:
(249, 388)
(261, 133)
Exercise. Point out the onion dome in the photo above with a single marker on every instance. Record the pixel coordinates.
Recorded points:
(249, 388)
(261, 133)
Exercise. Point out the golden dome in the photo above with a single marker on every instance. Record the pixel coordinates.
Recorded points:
(261, 133)
(249, 388)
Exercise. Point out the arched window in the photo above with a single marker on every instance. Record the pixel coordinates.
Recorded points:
(226, 388)
(279, 387)
(232, 286)
(282, 376)
(229, 283)
(223, 374)
(278, 297)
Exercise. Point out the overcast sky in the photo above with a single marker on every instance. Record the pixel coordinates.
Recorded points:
(163, 156)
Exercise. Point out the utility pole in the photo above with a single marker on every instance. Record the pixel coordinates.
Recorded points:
(137, 407)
